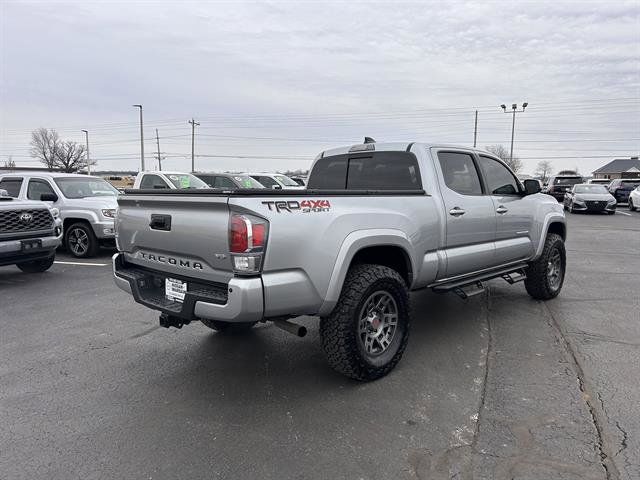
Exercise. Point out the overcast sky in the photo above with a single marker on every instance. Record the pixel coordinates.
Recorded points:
(281, 81)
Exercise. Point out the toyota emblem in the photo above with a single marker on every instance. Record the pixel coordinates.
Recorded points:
(26, 218)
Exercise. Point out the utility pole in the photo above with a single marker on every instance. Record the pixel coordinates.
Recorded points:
(141, 140)
(158, 143)
(86, 134)
(194, 124)
(475, 130)
(514, 108)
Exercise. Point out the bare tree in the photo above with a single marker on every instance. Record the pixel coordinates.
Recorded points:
(70, 157)
(9, 163)
(500, 151)
(45, 145)
(544, 170)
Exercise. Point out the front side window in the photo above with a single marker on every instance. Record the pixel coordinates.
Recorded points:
(500, 180)
(12, 186)
(38, 187)
(74, 187)
(459, 172)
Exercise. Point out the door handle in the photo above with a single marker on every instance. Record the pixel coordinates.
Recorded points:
(501, 210)
(456, 211)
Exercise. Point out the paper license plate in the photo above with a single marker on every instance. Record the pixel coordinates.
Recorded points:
(175, 289)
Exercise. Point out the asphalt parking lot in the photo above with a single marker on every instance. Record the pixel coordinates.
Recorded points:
(497, 386)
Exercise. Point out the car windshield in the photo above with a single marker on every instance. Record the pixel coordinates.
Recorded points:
(567, 180)
(73, 187)
(286, 181)
(245, 181)
(593, 188)
(186, 181)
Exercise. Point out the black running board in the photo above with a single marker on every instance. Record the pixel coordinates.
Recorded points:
(470, 286)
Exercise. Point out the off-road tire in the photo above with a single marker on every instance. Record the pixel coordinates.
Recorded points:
(339, 330)
(92, 241)
(537, 282)
(228, 327)
(37, 266)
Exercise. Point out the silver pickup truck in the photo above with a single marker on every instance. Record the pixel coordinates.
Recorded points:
(30, 232)
(376, 221)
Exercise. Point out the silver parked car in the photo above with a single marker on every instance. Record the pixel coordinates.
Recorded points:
(87, 205)
(589, 197)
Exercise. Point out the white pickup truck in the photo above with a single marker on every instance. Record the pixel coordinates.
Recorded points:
(376, 221)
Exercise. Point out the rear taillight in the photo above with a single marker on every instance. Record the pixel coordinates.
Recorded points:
(247, 240)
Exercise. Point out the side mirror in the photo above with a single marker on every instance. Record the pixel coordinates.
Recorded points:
(531, 186)
(48, 197)
(276, 187)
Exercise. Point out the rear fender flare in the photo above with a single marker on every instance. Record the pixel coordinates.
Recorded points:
(353, 243)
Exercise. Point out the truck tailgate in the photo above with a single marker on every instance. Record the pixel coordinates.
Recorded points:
(185, 235)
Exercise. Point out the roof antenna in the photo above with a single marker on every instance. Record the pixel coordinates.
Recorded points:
(369, 140)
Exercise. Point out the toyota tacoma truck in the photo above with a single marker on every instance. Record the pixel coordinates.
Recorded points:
(30, 232)
(377, 221)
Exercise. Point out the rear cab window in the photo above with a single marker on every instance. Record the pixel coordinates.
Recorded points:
(11, 185)
(370, 171)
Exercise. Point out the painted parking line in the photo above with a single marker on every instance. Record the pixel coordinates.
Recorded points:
(623, 213)
(83, 263)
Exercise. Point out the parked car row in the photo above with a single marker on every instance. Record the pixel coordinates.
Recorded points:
(620, 188)
(227, 181)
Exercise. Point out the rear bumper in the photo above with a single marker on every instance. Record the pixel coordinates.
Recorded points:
(11, 250)
(241, 300)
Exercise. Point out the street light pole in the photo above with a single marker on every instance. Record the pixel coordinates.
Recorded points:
(475, 130)
(514, 108)
(141, 140)
(194, 124)
(86, 134)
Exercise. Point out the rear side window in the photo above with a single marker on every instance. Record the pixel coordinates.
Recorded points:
(460, 173)
(208, 179)
(379, 171)
(11, 185)
(153, 181)
(266, 181)
(499, 179)
(223, 182)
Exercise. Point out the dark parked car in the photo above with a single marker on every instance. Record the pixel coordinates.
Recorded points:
(229, 181)
(560, 184)
(620, 188)
(588, 197)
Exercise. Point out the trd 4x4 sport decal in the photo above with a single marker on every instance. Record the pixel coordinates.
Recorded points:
(305, 206)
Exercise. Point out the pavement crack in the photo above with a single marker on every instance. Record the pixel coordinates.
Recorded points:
(604, 452)
(623, 442)
(487, 356)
